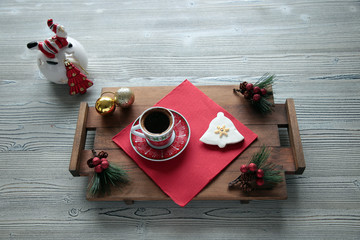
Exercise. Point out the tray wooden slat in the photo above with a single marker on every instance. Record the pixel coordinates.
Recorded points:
(143, 188)
(79, 139)
(294, 136)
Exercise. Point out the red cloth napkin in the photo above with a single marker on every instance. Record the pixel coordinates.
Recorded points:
(183, 177)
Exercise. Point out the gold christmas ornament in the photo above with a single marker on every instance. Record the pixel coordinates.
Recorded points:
(105, 105)
(124, 97)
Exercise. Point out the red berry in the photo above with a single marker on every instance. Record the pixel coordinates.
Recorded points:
(260, 181)
(244, 168)
(98, 169)
(256, 97)
(252, 167)
(96, 161)
(263, 91)
(257, 90)
(104, 164)
(260, 173)
(249, 86)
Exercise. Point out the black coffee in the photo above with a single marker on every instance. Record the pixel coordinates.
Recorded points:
(156, 122)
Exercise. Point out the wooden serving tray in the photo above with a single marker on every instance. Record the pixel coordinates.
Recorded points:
(141, 187)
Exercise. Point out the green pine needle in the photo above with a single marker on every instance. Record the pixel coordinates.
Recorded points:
(264, 106)
(260, 157)
(101, 183)
(273, 177)
(272, 172)
(265, 81)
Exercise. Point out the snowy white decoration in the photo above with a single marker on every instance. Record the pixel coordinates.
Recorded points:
(221, 131)
(55, 50)
(56, 72)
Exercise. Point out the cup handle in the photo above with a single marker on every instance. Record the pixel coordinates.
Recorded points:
(136, 133)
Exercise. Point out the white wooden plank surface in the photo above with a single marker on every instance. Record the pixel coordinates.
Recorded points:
(312, 46)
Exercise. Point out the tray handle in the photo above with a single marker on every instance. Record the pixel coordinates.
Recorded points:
(294, 137)
(79, 139)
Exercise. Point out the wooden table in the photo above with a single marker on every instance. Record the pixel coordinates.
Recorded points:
(141, 187)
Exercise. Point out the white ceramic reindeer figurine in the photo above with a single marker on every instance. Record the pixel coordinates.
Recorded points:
(56, 52)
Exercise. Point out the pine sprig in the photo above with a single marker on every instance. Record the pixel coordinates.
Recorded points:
(259, 93)
(112, 176)
(272, 172)
(257, 172)
(105, 175)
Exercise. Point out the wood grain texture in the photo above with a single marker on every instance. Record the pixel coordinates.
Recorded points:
(312, 47)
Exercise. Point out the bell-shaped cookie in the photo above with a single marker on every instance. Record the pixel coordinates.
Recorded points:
(221, 132)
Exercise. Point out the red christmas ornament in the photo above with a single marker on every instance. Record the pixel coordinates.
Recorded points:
(98, 169)
(263, 91)
(252, 167)
(77, 81)
(259, 173)
(249, 86)
(256, 97)
(96, 161)
(260, 181)
(104, 164)
(244, 168)
(257, 89)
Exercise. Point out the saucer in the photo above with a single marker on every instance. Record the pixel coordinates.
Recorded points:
(182, 138)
